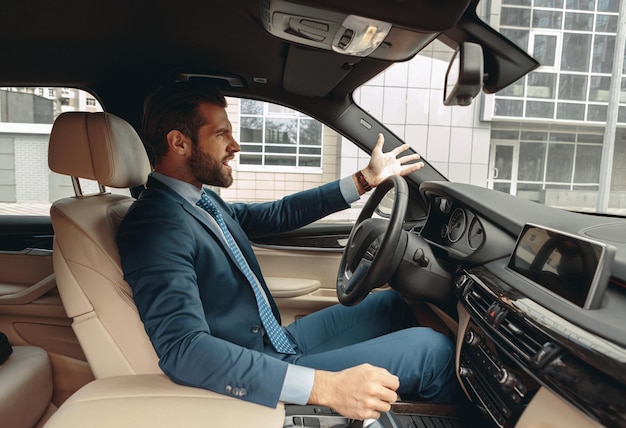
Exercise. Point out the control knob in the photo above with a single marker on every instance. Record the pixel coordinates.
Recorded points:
(465, 372)
(472, 338)
(506, 378)
(461, 280)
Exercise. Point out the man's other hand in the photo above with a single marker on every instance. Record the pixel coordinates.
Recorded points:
(360, 392)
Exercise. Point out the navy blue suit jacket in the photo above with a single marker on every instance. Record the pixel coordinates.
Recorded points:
(197, 307)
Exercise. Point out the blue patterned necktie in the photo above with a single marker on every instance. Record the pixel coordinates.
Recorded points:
(274, 331)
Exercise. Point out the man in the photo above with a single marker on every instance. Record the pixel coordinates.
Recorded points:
(202, 298)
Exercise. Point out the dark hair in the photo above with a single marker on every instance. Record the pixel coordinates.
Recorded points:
(175, 106)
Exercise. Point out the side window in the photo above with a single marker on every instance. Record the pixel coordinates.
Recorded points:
(284, 151)
(27, 186)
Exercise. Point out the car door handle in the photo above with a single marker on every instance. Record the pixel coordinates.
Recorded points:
(31, 293)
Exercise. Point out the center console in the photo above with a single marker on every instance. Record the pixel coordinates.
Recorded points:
(405, 415)
(494, 381)
(511, 348)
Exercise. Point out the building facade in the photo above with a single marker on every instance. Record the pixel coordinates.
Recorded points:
(548, 128)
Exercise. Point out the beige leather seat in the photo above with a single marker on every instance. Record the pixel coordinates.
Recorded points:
(130, 389)
(25, 388)
(104, 148)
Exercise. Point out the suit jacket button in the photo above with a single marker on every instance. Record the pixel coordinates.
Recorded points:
(228, 389)
(242, 392)
(255, 329)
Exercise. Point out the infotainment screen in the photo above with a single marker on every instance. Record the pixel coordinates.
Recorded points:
(572, 267)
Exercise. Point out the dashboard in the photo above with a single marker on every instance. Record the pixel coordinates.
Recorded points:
(521, 336)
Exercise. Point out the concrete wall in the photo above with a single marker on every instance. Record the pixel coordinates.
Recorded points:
(18, 107)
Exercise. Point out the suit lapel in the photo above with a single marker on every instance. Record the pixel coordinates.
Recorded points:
(197, 214)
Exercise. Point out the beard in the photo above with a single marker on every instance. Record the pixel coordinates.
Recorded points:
(207, 170)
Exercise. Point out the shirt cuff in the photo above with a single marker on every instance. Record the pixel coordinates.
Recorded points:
(348, 190)
(298, 385)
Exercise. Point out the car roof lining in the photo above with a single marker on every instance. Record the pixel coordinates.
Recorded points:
(125, 50)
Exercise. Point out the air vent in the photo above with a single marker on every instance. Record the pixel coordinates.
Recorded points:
(529, 343)
(521, 339)
(478, 299)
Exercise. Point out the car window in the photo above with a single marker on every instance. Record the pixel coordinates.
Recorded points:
(284, 151)
(27, 186)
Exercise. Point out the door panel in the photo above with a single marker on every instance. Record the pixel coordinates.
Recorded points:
(31, 311)
(300, 267)
(305, 279)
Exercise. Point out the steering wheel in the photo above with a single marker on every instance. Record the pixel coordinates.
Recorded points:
(375, 246)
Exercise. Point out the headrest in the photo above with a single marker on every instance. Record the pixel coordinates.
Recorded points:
(98, 146)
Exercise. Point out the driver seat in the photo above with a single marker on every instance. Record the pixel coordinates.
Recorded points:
(104, 148)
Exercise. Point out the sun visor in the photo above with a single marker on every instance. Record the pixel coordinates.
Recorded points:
(313, 72)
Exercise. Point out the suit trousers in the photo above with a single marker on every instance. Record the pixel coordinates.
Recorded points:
(381, 331)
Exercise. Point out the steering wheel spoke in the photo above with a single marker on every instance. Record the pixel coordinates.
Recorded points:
(355, 276)
(371, 255)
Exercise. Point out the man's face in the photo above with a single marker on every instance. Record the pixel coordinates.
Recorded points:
(214, 148)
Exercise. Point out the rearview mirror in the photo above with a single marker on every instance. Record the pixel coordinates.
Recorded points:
(464, 78)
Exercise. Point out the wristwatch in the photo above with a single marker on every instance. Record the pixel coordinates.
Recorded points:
(363, 181)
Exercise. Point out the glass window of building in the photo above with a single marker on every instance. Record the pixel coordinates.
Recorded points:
(547, 19)
(570, 111)
(515, 17)
(517, 2)
(531, 162)
(573, 87)
(545, 48)
(575, 40)
(580, 4)
(276, 136)
(578, 21)
(541, 85)
(549, 160)
(606, 23)
(608, 5)
(576, 52)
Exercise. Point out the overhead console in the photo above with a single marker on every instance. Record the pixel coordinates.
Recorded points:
(327, 27)
(390, 31)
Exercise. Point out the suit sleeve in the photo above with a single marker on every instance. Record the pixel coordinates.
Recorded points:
(290, 212)
(157, 250)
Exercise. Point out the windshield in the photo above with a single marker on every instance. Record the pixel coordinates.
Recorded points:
(557, 136)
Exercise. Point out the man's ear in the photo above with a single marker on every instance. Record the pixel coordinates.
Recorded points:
(178, 143)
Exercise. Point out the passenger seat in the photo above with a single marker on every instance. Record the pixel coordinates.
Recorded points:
(26, 388)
